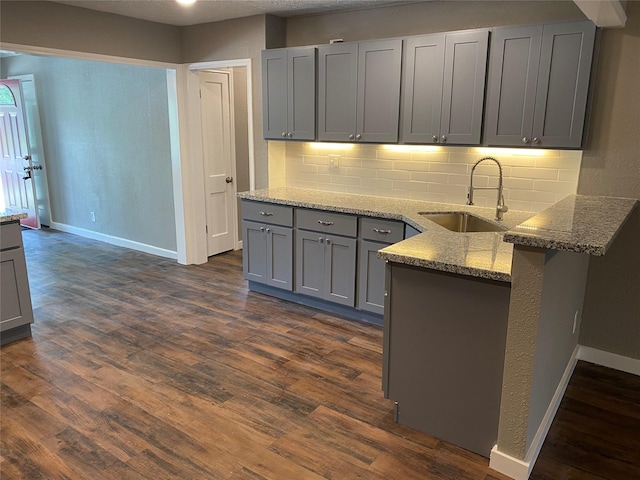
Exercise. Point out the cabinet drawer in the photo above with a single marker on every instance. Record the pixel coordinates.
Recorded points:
(327, 222)
(380, 230)
(267, 213)
(11, 236)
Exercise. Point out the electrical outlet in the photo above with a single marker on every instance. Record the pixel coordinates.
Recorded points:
(93, 216)
(334, 160)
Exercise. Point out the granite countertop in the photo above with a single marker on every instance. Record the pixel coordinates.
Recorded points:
(11, 217)
(482, 255)
(578, 223)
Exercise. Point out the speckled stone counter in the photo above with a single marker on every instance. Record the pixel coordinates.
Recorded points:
(476, 254)
(6, 217)
(578, 223)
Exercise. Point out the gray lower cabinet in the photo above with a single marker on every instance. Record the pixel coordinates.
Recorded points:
(16, 312)
(289, 93)
(359, 91)
(267, 244)
(443, 85)
(326, 255)
(443, 353)
(374, 234)
(538, 85)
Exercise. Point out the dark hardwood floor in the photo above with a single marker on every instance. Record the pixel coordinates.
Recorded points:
(140, 368)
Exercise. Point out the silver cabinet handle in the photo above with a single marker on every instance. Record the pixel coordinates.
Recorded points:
(525, 139)
(435, 138)
(358, 137)
(322, 222)
(383, 232)
(351, 136)
(290, 134)
(284, 134)
(268, 230)
(536, 140)
(328, 242)
(262, 229)
(266, 214)
(320, 239)
(443, 138)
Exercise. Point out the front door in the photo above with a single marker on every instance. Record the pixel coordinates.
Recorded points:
(218, 151)
(16, 167)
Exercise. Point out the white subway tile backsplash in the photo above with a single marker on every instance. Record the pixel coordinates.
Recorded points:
(533, 180)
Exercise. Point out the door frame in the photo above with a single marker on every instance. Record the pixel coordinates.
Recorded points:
(188, 199)
(191, 138)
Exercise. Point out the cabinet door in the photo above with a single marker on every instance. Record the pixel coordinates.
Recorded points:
(279, 257)
(422, 103)
(340, 270)
(563, 84)
(254, 252)
(511, 94)
(465, 67)
(337, 86)
(310, 263)
(301, 102)
(378, 105)
(14, 290)
(371, 277)
(274, 93)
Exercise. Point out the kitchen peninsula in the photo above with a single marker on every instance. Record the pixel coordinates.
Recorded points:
(16, 314)
(485, 319)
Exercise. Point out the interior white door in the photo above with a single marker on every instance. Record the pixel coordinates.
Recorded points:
(217, 146)
(16, 166)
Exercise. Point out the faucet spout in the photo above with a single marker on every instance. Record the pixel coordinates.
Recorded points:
(501, 208)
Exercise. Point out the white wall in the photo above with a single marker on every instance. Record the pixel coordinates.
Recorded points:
(106, 140)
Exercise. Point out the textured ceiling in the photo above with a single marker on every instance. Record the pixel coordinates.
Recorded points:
(205, 11)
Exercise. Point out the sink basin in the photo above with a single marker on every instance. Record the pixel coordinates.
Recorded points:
(463, 222)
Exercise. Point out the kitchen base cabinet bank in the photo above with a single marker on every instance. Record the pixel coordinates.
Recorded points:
(16, 313)
(444, 344)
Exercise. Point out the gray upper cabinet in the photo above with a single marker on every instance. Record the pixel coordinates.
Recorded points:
(289, 93)
(444, 80)
(538, 85)
(359, 91)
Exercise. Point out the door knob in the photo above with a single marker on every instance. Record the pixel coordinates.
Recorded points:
(229, 179)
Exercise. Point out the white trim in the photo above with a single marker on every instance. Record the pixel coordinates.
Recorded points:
(521, 469)
(120, 242)
(56, 52)
(238, 245)
(604, 13)
(608, 359)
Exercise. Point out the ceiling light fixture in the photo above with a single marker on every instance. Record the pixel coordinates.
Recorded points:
(186, 2)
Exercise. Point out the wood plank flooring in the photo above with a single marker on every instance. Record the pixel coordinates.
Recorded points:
(140, 368)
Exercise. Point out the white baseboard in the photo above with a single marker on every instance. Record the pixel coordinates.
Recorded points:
(611, 360)
(120, 242)
(521, 469)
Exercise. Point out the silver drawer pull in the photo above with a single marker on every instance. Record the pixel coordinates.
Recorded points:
(322, 222)
(383, 232)
(266, 214)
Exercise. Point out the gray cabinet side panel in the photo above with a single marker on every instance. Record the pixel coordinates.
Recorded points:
(274, 93)
(422, 89)
(511, 91)
(340, 270)
(563, 83)
(337, 86)
(309, 263)
(280, 257)
(446, 354)
(370, 277)
(463, 90)
(254, 252)
(301, 73)
(378, 106)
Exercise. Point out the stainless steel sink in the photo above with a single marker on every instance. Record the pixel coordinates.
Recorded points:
(463, 222)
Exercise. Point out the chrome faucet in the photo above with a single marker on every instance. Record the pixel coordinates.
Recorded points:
(501, 208)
